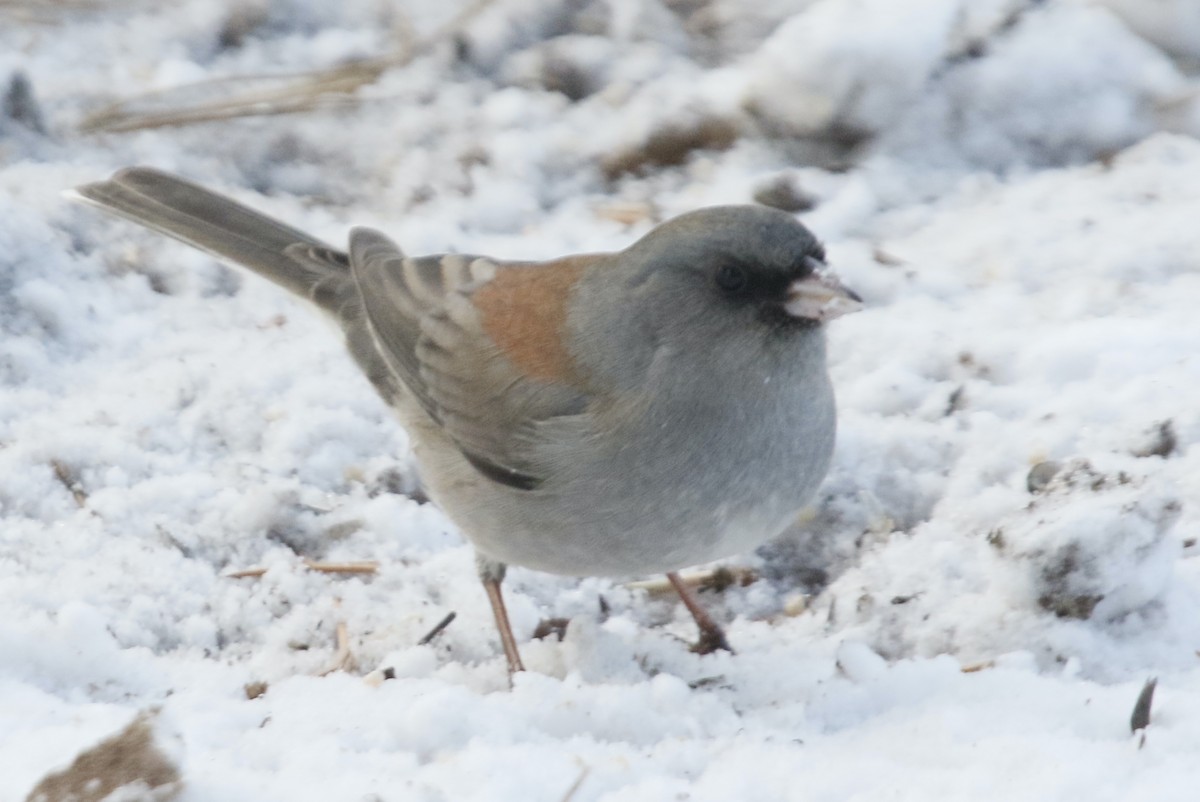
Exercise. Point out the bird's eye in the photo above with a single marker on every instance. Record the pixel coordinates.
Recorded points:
(731, 278)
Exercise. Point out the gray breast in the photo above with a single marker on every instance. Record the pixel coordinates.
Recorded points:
(695, 477)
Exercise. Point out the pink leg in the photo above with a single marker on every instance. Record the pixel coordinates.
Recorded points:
(712, 637)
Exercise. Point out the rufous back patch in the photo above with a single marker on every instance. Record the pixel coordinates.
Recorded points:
(524, 311)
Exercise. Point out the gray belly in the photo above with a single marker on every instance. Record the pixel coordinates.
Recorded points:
(708, 488)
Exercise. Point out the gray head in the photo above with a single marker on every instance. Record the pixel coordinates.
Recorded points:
(719, 284)
(750, 266)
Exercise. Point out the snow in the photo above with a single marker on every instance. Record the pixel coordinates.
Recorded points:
(1012, 186)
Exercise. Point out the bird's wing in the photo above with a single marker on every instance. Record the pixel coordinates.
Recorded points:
(477, 344)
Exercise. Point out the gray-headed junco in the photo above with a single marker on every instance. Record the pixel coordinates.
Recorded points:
(604, 414)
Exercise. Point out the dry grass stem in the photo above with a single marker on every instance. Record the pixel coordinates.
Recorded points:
(711, 578)
(64, 474)
(570, 794)
(47, 12)
(343, 658)
(437, 629)
(360, 567)
(243, 573)
(332, 87)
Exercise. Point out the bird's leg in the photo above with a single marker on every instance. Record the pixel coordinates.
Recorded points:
(712, 637)
(491, 573)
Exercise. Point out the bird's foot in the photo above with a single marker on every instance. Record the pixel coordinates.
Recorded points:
(712, 639)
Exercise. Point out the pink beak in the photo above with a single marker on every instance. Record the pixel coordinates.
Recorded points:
(820, 296)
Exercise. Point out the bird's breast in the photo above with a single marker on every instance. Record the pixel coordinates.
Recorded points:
(716, 467)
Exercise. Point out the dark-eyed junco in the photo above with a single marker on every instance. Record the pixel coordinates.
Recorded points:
(604, 414)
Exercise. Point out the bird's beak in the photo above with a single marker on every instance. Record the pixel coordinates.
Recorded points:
(819, 296)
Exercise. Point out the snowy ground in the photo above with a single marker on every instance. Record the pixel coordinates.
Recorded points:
(1013, 186)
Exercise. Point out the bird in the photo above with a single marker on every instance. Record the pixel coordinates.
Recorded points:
(603, 414)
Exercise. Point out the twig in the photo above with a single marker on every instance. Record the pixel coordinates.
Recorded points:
(343, 658)
(627, 212)
(575, 785)
(64, 474)
(1140, 719)
(300, 92)
(47, 13)
(360, 567)
(437, 629)
(716, 578)
(243, 573)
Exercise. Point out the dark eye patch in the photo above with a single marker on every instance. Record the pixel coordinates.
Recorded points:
(746, 283)
(732, 278)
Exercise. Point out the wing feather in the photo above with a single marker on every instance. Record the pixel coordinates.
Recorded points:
(430, 334)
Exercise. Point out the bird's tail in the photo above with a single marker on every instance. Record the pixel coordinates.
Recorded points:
(226, 229)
